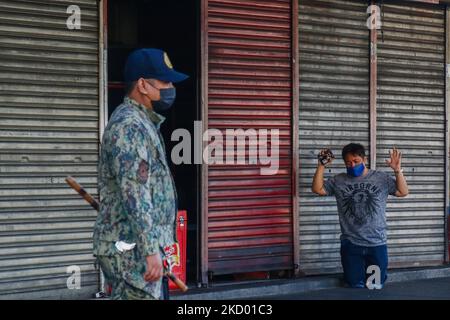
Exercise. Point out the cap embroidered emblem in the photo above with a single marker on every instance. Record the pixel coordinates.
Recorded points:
(167, 61)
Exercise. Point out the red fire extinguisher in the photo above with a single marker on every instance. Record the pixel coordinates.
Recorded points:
(176, 253)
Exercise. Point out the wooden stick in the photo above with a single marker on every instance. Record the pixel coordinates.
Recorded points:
(86, 196)
(180, 284)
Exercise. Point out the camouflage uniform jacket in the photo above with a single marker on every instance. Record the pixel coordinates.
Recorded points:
(138, 201)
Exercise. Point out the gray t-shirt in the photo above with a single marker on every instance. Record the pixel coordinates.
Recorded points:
(361, 203)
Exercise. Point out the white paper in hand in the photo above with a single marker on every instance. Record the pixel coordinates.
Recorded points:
(123, 246)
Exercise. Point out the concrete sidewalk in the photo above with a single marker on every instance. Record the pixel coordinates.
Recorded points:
(425, 289)
(308, 286)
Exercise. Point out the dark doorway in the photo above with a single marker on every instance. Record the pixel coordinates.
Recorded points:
(173, 26)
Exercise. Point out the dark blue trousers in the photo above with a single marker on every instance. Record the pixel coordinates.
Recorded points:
(356, 260)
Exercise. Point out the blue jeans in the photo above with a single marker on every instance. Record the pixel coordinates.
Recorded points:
(356, 259)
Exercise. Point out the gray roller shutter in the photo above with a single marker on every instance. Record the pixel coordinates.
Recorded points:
(334, 111)
(411, 116)
(49, 114)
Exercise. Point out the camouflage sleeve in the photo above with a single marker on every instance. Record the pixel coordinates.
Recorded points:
(131, 166)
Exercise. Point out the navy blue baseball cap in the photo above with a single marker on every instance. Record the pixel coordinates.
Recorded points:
(150, 63)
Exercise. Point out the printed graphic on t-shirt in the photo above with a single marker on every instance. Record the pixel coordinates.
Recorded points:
(359, 202)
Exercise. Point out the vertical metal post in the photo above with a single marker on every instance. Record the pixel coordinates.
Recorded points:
(103, 84)
(198, 141)
(447, 141)
(204, 100)
(373, 96)
(103, 66)
(295, 142)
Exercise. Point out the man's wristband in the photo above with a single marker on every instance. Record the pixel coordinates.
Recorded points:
(398, 171)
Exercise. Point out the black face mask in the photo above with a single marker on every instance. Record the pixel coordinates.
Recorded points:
(166, 100)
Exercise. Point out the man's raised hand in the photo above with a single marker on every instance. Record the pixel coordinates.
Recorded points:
(395, 161)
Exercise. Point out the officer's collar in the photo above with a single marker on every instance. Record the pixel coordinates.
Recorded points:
(156, 118)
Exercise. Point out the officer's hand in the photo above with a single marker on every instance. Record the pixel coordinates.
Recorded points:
(154, 268)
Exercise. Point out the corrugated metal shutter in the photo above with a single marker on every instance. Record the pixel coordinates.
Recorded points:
(250, 86)
(334, 111)
(49, 114)
(411, 116)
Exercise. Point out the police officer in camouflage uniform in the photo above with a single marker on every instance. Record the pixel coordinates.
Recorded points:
(137, 192)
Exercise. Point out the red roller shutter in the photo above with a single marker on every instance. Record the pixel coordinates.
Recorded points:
(248, 217)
